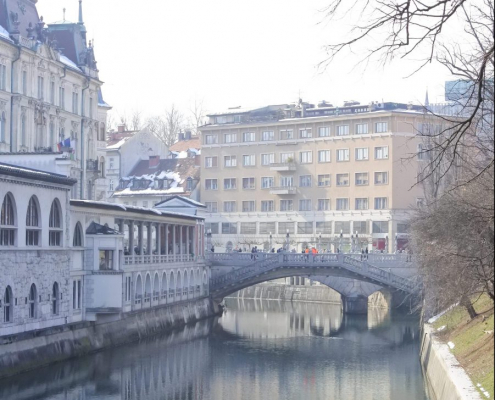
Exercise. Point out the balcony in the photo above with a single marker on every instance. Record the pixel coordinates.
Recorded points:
(92, 165)
(284, 190)
(283, 167)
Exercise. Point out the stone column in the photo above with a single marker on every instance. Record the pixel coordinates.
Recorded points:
(188, 245)
(131, 238)
(149, 240)
(140, 238)
(174, 229)
(159, 239)
(181, 239)
(166, 239)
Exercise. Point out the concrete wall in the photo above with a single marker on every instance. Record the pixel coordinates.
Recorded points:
(446, 379)
(72, 341)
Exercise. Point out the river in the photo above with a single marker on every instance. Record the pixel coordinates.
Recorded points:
(258, 350)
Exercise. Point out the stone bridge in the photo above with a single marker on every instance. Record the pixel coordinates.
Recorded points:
(354, 276)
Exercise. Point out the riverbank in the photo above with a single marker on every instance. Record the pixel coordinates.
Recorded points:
(46, 347)
(457, 353)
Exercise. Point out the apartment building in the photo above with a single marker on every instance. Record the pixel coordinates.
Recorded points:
(324, 176)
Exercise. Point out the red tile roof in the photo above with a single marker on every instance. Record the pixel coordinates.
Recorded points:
(184, 145)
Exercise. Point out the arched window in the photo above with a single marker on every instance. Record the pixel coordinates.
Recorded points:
(77, 240)
(7, 221)
(33, 301)
(8, 306)
(33, 226)
(102, 167)
(52, 140)
(103, 133)
(3, 132)
(23, 130)
(138, 297)
(55, 235)
(55, 299)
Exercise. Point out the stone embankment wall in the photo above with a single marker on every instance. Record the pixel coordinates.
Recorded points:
(446, 379)
(46, 347)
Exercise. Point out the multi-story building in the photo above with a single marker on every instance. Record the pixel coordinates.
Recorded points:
(334, 178)
(51, 102)
(125, 150)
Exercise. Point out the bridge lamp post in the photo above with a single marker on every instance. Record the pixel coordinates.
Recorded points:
(386, 244)
(341, 241)
(287, 238)
(208, 240)
(319, 243)
(358, 247)
(271, 242)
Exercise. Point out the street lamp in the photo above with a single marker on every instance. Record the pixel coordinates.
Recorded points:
(386, 244)
(208, 240)
(287, 244)
(396, 243)
(341, 242)
(271, 242)
(319, 243)
(358, 247)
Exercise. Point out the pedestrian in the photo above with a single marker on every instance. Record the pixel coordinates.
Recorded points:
(212, 249)
(366, 253)
(252, 253)
(362, 254)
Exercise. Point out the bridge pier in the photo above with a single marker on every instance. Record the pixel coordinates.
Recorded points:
(355, 305)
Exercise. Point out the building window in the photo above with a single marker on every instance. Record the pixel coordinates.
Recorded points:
(362, 204)
(343, 227)
(211, 139)
(286, 158)
(248, 137)
(33, 302)
(267, 182)
(305, 205)
(380, 227)
(323, 204)
(77, 240)
(381, 178)
(52, 92)
(106, 260)
(424, 152)
(213, 227)
(41, 88)
(267, 228)
(324, 156)
(306, 157)
(267, 206)
(76, 294)
(342, 179)
(229, 228)
(3, 130)
(55, 225)
(324, 131)
(8, 305)
(211, 184)
(286, 227)
(362, 179)
(381, 127)
(268, 136)
(286, 205)
(305, 228)
(362, 154)
(324, 227)
(420, 202)
(403, 227)
(229, 138)
(360, 227)
(61, 97)
(230, 184)
(248, 228)
(324, 180)
(286, 134)
(267, 159)
(229, 206)
(361, 129)
(343, 155)
(306, 133)
(342, 204)
(381, 153)
(230, 161)
(75, 102)
(91, 107)
(286, 181)
(211, 162)
(3, 77)
(248, 183)
(381, 203)
(248, 206)
(305, 181)
(111, 185)
(211, 206)
(33, 229)
(7, 222)
(342, 130)
(249, 160)
(23, 130)
(55, 299)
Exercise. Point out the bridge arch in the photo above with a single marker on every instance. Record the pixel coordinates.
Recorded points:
(147, 288)
(156, 288)
(178, 286)
(164, 294)
(172, 287)
(139, 290)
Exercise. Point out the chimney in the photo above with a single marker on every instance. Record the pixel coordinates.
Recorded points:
(181, 137)
(154, 161)
(121, 128)
(188, 135)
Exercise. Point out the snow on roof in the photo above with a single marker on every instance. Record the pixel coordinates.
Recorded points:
(148, 192)
(15, 170)
(235, 110)
(4, 33)
(182, 154)
(69, 63)
(119, 144)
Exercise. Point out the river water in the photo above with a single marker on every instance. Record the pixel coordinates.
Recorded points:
(259, 350)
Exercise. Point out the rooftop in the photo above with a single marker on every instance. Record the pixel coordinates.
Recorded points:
(29, 173)
(185, 145)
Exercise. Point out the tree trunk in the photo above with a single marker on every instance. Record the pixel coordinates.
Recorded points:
(466, 302)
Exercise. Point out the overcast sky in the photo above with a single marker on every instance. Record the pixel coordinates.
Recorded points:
(152, 53)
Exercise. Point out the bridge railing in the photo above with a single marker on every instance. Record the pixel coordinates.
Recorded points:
(158, 259)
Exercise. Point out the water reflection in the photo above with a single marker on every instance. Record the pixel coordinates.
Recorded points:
(259, 350)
